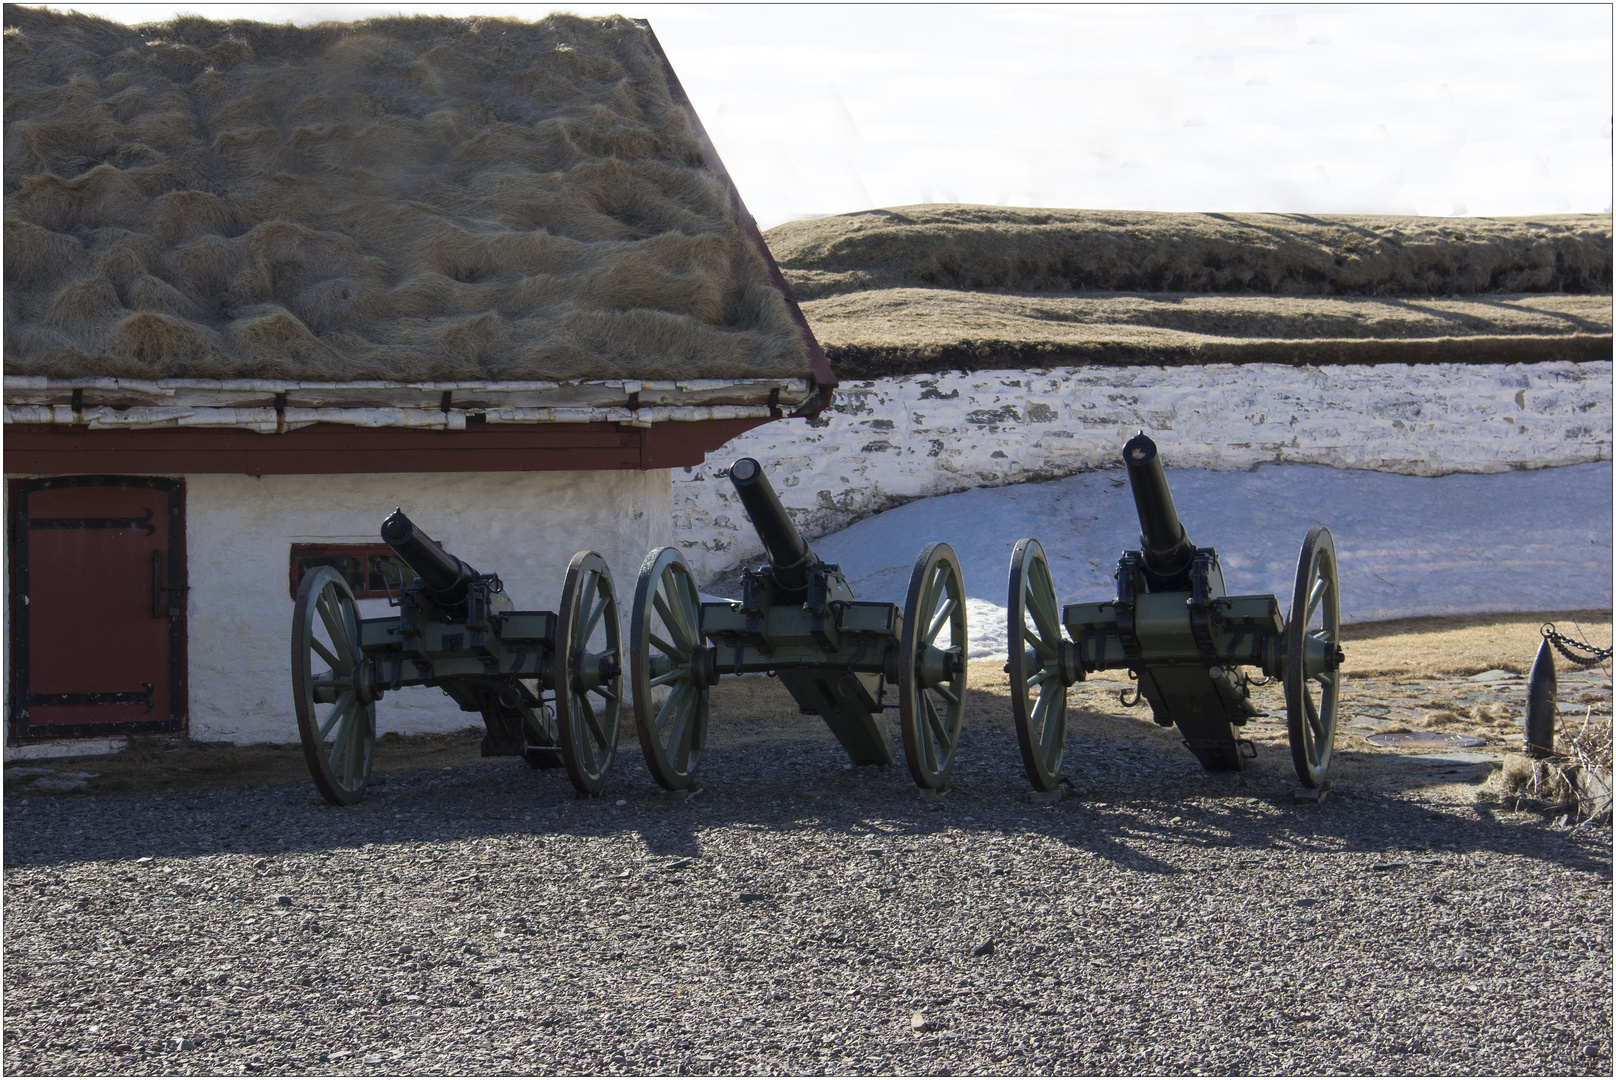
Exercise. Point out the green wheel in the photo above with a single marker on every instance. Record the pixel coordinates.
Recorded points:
(588, 661)
(670, 669)
(931, 666)
(1037, 682)
(1313, 657)
(333, 692)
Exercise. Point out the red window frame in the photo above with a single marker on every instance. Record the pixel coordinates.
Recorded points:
(305, 557)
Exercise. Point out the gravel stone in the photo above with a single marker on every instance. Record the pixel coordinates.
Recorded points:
(479, 920)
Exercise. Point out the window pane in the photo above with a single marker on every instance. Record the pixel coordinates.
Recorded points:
(387, 573)
(349, 566)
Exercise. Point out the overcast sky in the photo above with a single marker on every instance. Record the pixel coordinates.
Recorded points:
(825, 109)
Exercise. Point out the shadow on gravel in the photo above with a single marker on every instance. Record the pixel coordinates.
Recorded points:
(1132, 807)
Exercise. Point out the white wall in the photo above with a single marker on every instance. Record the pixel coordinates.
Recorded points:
(524, 526)
(886, 441)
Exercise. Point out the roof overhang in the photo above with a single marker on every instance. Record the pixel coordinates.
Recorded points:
(268, 406)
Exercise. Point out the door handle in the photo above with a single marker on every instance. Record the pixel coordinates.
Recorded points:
(157, 611)
(158, 589)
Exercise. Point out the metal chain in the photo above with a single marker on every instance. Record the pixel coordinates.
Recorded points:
(1563, 645)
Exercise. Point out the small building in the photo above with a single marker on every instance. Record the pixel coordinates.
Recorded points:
(264, 283)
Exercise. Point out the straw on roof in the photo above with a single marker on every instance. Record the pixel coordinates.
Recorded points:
(396, 199)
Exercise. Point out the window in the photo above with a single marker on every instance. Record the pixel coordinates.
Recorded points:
(370, 570)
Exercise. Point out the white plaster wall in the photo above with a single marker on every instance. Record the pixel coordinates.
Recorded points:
(524, 526)
(886, 441)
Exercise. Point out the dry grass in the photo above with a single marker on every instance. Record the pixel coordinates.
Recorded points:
(1019, 250)
(400, 198)
(1460, 644)
(931, 288)
(1561, 780)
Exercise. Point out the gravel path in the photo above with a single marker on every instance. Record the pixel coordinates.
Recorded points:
(798, 916)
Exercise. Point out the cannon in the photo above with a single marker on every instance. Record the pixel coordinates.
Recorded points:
(548, 685)
(797, 619)
(1173, 626)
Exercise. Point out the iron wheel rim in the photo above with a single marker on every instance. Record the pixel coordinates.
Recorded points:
(1032, 595)
(672, 729)
(1311, 720)
(936, 600)
(341, 766)
(587, 616)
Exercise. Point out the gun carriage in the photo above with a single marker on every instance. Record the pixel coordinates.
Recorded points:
(797, 619)
(1174, 627)
(548, 685)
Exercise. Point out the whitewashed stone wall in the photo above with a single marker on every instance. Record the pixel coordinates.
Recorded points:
(524, 526)
(887, 441)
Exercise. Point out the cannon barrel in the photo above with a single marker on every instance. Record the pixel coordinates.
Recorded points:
(444, 576)
(789, 554)
(1167, 549)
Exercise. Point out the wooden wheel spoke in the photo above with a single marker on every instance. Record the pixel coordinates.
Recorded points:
(671, 676)
(678, 598)
(667, 650)
(354, 763)
(1038, 679)
(939, 619)
(1049, 726)
(1320, 587)
(589, 589)
(659, 722)
(674, 623)
(1048, 624)
(344, 659)
(604, 691)
(928, 595)
(947, 692)
(586, 712)
(1042, 647)
(1314, 721)
(680, 757)
(326, 654)
(334, 613)
(594, 618)
(939, 733)
(345, 702)
(339, 741)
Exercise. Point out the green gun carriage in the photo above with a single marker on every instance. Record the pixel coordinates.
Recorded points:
(1174, 627)
(839, 657)
(548, 685)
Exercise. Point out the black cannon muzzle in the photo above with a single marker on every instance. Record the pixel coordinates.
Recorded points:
(444, 576)
(789, 554)
(1167, 550)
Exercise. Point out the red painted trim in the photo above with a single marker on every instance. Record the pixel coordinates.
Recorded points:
(818, 363)
(52, 450)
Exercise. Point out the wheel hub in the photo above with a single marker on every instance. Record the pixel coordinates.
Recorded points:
(366, 689)
(704, 666)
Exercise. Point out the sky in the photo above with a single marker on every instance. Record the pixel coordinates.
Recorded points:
(1455, 109)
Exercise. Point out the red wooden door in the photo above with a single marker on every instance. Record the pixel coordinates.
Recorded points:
(98, 606)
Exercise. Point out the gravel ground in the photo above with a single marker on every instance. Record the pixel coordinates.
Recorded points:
(798, 916)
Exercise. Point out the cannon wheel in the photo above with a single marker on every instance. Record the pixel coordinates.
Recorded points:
(1312, 687)
(1037, 692)
(336, 712)
(931, 696)
(588, 661)
(663, 639)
